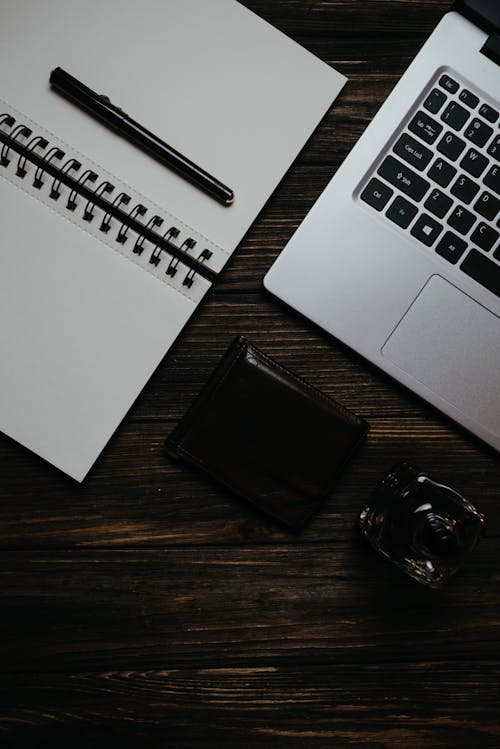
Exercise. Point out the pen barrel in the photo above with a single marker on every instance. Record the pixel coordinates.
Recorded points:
(167, 155)
(83, 96)
(117, 120)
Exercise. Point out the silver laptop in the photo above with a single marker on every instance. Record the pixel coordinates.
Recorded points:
(400, 256)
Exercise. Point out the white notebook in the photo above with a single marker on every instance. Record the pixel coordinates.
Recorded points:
(85, 316)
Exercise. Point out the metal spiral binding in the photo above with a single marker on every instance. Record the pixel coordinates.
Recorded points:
(54, 153)
(137, 210)
(155, 258)
(36, 142)
(55, 190)
(187, 245)
(104, 187)
(139, 244)
(191, 274)
(121, 199)
(88, 176)
(38, 152)
(19, 130)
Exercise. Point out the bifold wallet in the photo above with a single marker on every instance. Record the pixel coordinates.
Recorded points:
(267, 435)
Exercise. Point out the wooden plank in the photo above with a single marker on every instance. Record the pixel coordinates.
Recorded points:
(194, 607)
(318, 706)
(338, 18)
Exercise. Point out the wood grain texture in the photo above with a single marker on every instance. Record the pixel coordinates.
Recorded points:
(412, 705)
(150, 608)
(327, 602)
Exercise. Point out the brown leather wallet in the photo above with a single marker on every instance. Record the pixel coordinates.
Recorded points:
(267, 435)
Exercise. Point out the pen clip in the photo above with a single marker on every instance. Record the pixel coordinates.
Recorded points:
(110, 104)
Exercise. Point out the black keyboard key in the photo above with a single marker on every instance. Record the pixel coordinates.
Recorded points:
(402, 212)
(451, 247)
(465, 189)
(377, 194)
(438, 203)
(468, 98)
(489, 113)
(425, 127)
(451, 146)
(478, 132)
(474, 162)
(426, 229)
(449, 84)
(413, 152)
(435, 101)
(402, 177)
(461, 219)
(492, 179)
(442, 172)
(483, 270)
(496, 254)
(455, 115)
(487, 206)
(484, 236)
(494, 149)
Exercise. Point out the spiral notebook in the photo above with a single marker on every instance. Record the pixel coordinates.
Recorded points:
(105, 254)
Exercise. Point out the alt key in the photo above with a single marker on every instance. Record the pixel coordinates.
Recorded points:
(451, 247)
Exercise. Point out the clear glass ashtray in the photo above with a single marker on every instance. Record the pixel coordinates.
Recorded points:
(425, 528)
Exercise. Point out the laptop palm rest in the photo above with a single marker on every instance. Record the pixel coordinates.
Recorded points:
(449, 343)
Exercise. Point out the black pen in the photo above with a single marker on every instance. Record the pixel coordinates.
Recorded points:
(100, 107)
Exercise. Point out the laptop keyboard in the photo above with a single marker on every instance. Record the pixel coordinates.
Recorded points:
(440, 183)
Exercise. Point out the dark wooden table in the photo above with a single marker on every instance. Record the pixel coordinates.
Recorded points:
(149, 608)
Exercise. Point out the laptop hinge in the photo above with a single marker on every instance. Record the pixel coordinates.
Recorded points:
(484, 13)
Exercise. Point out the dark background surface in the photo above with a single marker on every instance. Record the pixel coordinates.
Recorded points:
(150, 608)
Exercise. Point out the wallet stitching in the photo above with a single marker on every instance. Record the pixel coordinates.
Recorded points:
(350, 416)
(243, 346)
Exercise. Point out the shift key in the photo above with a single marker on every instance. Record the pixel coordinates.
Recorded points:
(405, 179)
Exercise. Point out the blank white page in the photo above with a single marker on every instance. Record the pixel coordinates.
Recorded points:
(81, 331)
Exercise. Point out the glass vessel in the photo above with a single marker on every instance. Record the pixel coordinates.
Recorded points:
(423, 527)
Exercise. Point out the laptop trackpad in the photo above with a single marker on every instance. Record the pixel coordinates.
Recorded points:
(451, 344)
